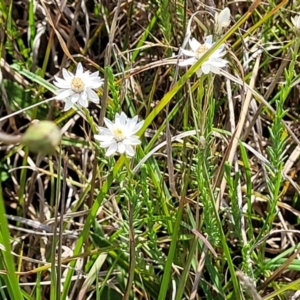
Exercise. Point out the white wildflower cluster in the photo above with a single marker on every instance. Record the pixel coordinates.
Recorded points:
(78, 88)
(120, 136)
(215, 61)
(212, 64)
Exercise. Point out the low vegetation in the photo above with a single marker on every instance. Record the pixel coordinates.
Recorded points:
(192, 189)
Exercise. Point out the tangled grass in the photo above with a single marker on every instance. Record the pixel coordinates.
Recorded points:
(209, 206)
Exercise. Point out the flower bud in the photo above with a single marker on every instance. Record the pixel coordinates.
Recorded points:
(42, 137)
(222, 20)
(296, 23)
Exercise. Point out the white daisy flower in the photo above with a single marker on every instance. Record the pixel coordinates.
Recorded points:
(212, 64)
(78, 88)
(222, 20)
(119, 136)
(296, 22)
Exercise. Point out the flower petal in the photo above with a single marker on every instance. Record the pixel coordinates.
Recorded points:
(92, 96)
(187, 62)
(83, 99)
(75, 97)
(133, 140)
(61, 83)
(188, 52)
(194, 44)
(199, 72)
(105, 131)
(131, 125)
(107, 144)
(68, 104)
(205, 68)
(79, 70)
(103, 138)
(129, 150)
(137, 127)
(109, 124)
(214, 69)
(209, 39)
(67, 75)
(122, 119)
(217, 62)
(111, 149)
(63, 94)
(121, 147)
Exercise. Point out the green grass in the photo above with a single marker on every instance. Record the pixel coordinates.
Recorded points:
(216, 219)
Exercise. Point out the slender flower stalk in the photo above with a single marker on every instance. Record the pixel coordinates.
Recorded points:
(10, 139)
(78, 88)
(212, 64)
(119, 136)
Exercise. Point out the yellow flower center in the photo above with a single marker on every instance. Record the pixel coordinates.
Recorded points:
(119, 134)
(200, 51)
(77, 85)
